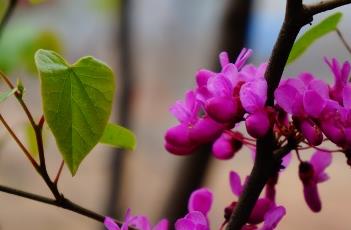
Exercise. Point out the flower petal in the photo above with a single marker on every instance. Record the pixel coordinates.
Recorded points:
(184, 224)
(273, 217)
(258, 124)
(253, 95)
(205, 130)
(110, 224)
(220, 86)
(223, 148)
(347, 97)
(259, 211)
(224, 109)
(161, 225)
(202, 77)
(224, 59)
(235, 183)
(311, 195)
(313, 103)
(200, 200)
(286, 95)
(320, 161)
(311, 132)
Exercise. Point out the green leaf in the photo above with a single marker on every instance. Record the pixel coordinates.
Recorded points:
(5, 95)
(310, 36)
(77, 102)
(119, 137)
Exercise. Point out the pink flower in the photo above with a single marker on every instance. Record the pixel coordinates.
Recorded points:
(304, 98)
(227, 145)
(139, 222)
(192, 221)
(312, 173)
(199, 205)
(253, 96)
(264, 211)
(341, 74)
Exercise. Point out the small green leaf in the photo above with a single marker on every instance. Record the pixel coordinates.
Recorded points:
(7, 94)
(119, 137)
(77, 102)
(20, 88)
(310, 36)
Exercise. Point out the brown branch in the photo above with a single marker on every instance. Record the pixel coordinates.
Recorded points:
(59, 172)
(19, 143)
(267, 163)
(323, 6)
(62, 203)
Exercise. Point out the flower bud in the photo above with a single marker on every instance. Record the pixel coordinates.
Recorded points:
(205, 130)
(225, 109)
(226, 146)
(311, 132)
(258, 124)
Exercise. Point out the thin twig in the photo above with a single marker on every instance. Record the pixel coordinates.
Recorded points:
(63, 203)
(19, 98)
(59, 172)
(9, 11)
(342, 39)
(20, 144)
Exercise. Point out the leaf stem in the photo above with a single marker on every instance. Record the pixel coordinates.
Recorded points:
(342, 39)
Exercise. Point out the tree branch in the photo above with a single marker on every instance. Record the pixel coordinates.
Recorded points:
(268, 158)
(63, 203)
(323, 6)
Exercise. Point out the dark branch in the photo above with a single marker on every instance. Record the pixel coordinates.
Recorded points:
(268, 157)
(323, 6)
(62, 203)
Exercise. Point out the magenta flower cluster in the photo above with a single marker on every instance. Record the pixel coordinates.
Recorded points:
(306, 110)
(217, 104)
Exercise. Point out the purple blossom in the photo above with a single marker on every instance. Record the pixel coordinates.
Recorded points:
(264, 211)
(200, 200)
(341, 74)
(227, 145)
(311, 174)
(194, 220)
(139, 222)
(199, 205)
(305, 99)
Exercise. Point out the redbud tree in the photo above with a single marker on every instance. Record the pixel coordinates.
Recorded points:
(282, 118)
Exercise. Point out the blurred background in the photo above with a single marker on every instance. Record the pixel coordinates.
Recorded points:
(154, 47)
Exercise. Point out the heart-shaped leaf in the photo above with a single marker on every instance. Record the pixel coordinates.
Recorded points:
(77, 101)
(119, 137)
